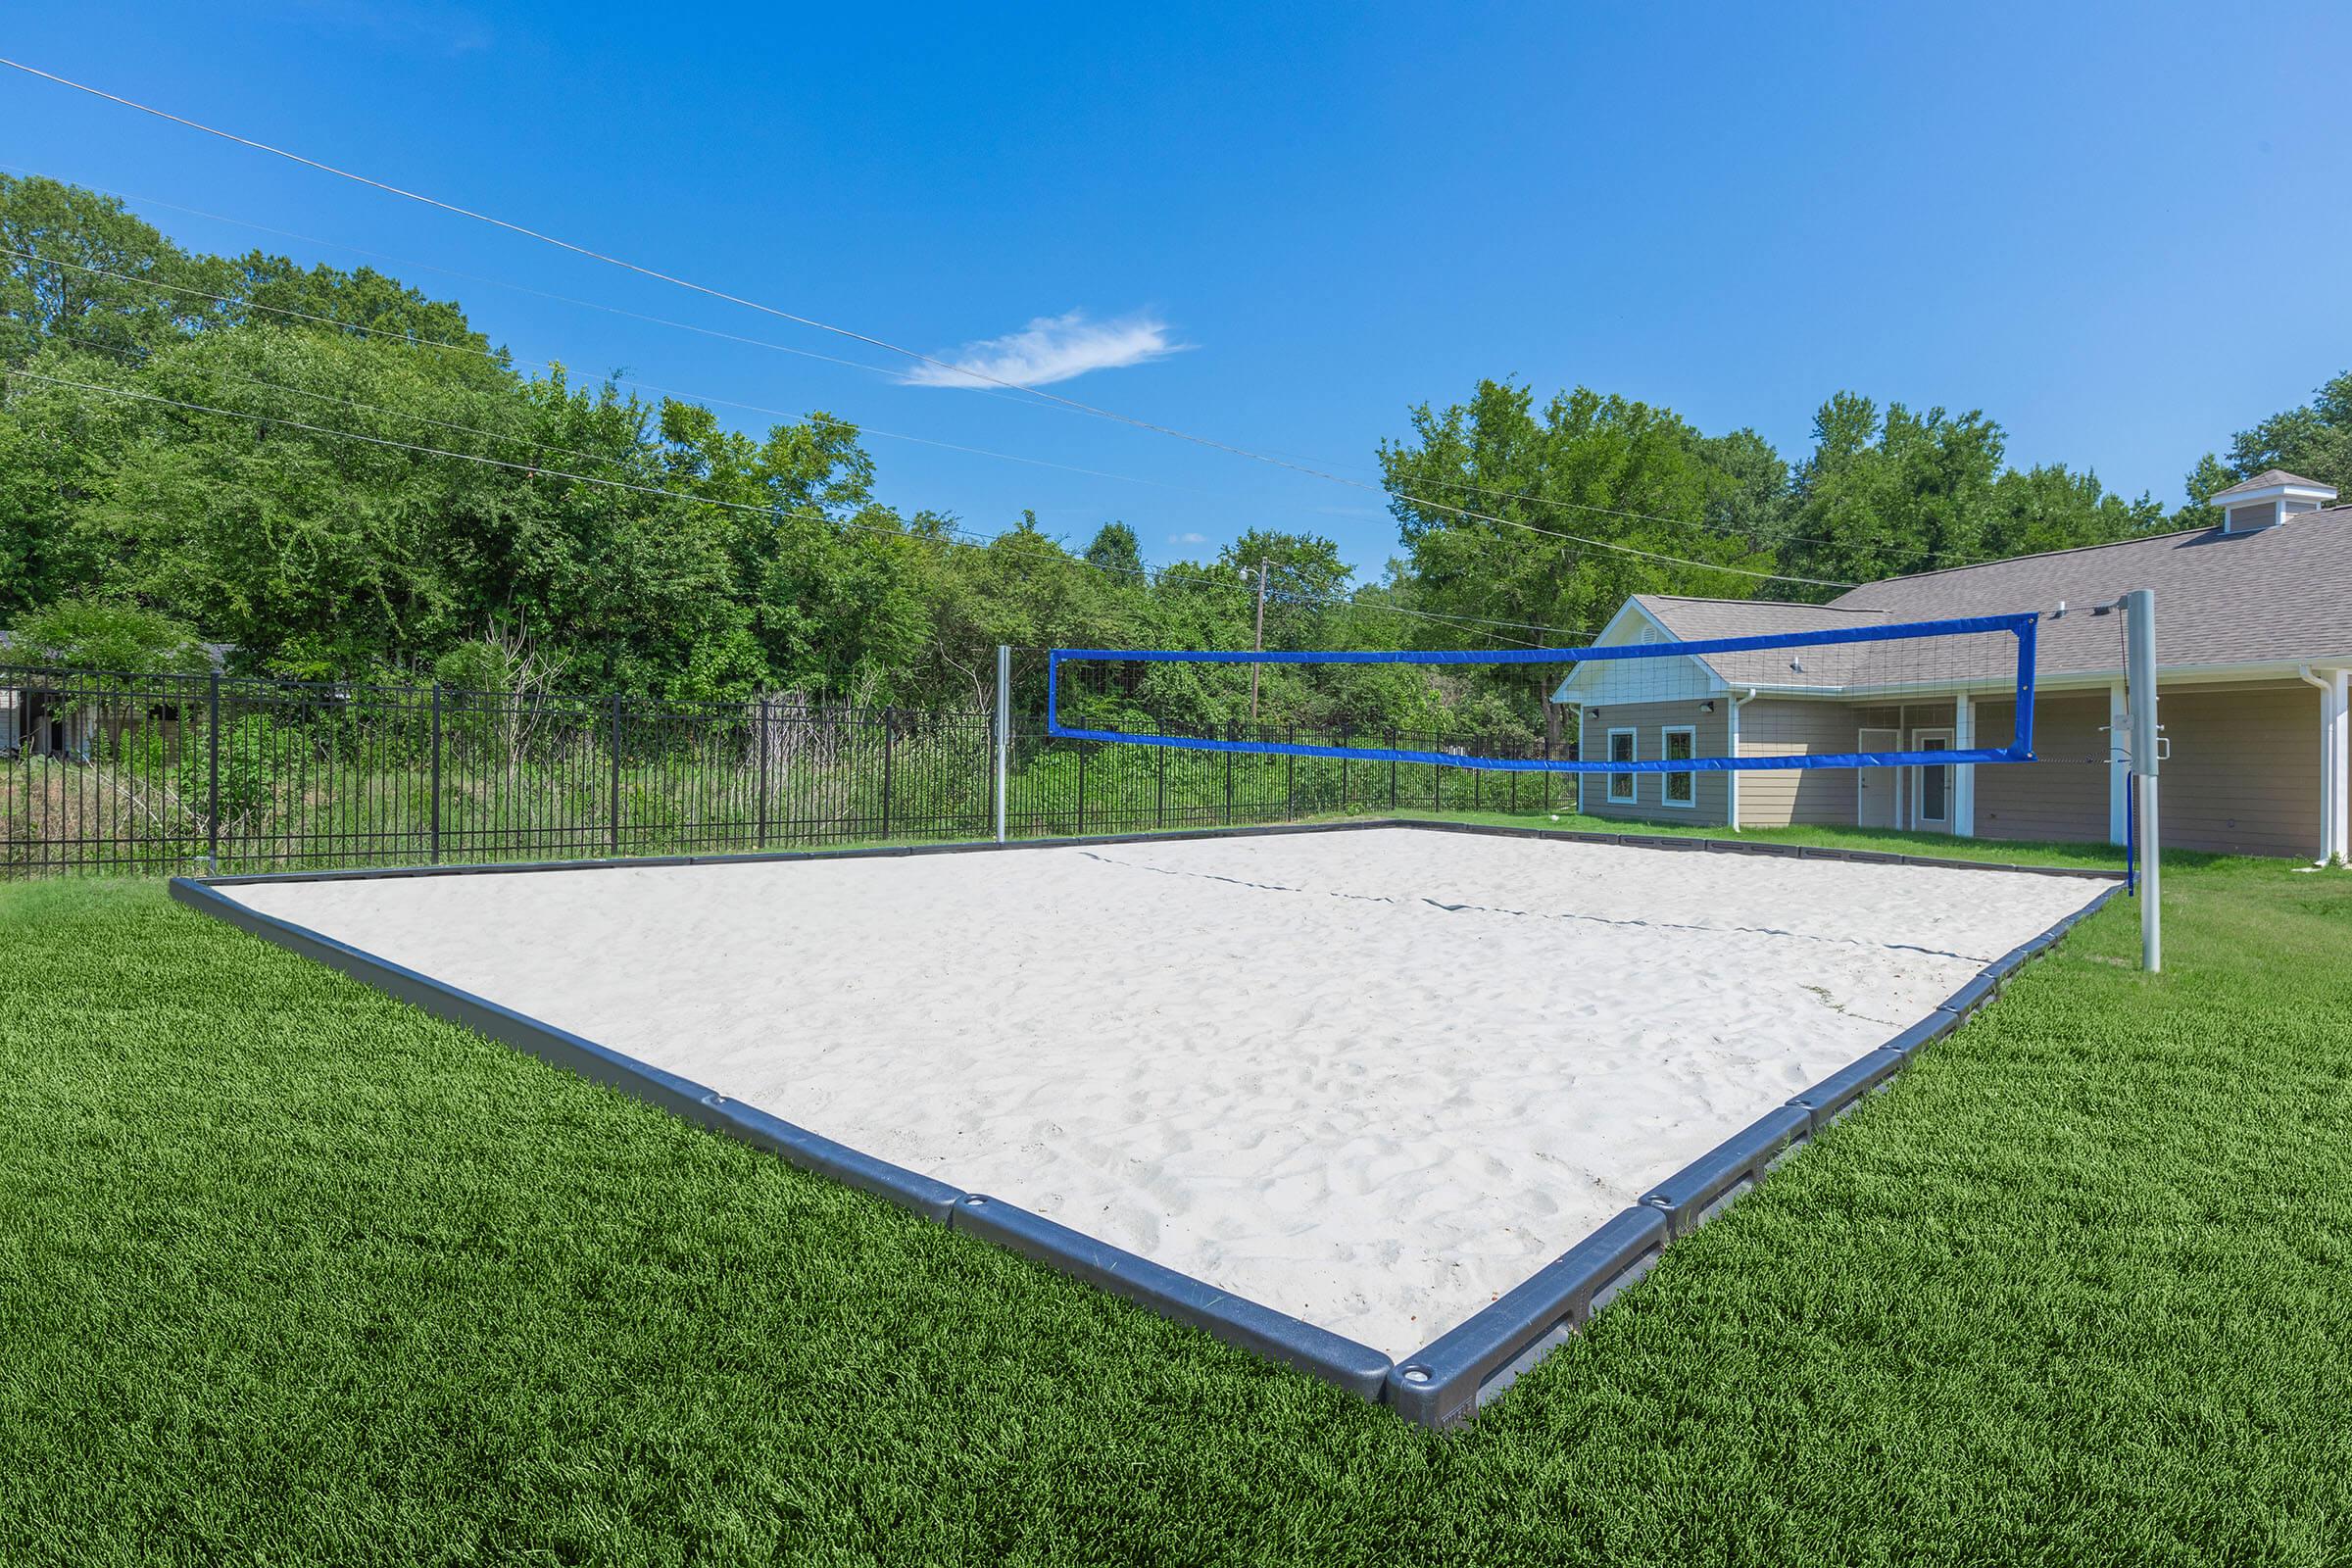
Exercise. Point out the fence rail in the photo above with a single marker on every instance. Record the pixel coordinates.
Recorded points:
(156, 774)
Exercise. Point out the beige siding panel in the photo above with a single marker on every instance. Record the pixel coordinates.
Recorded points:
(2062, 798)
(1713, 739)
(2243, 777)
(1786, 726)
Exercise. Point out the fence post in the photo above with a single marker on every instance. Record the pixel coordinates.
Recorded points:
(887, 733)
(612, 833)
(759, 739)
(1392, 768)
(1290, 779)
(1159, 811)
(436, 774)
(212, 754)
(1080, 829)
(1231, 734)
(1004, 730)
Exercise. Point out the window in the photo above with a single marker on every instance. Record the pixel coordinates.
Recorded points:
(1621, 750)
(1678, 742)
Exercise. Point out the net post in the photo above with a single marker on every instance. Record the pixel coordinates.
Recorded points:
(1004, 728)
(2139, 678)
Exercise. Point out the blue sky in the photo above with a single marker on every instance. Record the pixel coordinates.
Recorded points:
(2119, 231)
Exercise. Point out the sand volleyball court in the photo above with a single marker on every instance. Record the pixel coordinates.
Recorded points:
(1372, 1079)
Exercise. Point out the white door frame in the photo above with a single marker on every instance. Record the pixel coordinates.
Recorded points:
(1918, 771)
(1891, 740)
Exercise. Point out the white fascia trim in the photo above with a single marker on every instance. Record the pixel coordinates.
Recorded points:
(1715, 682)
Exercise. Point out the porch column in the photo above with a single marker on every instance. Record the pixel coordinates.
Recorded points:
(1964, 776)
(2119, 776)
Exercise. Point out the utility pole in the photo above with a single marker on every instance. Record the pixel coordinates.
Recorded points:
(1259, 645)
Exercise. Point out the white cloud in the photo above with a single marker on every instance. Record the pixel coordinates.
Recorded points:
(1053, 348)
(1187, 538)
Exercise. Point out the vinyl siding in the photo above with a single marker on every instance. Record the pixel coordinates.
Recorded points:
(1785, 726)
(2062, 798)
(2243, 777)
(1712, 739)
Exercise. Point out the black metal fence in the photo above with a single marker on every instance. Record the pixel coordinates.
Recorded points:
(164, 773)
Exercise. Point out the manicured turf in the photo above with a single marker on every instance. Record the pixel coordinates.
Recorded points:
(289, 1273)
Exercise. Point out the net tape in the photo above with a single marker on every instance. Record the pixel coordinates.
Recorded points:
(1849, 682)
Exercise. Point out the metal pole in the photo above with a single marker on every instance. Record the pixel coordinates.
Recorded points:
(211, 809)
(1003, 729)
(759, 739)
(2139, 680)
(1290, 779)
(1229, 735)
(889, 734)
(612, 822)
(436, 775)
(1258, 643)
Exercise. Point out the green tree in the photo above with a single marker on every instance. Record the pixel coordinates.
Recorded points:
(1114, 549)
(1885, 496)
(83, 269)
(2314, 440)
(106, 635)
(1549, 520)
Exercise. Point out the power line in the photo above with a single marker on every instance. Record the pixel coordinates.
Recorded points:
(949, 537)
(1875, 547)
(505, 358)
(885, 344)
(501, 359)
(1154, 572)
(544, 294)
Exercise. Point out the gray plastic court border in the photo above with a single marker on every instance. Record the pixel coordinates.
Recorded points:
(1441, 1386)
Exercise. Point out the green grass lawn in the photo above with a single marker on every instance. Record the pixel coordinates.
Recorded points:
(290, 1273)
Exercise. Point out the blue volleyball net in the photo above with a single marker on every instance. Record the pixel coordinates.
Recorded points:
(1849, 693)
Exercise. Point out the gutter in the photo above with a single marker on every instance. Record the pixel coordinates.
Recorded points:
(1732, 779)
(2332, 718)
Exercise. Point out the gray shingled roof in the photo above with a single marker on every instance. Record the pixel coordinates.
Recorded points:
(2264, 480)
(2276, 595)
(1979, 658)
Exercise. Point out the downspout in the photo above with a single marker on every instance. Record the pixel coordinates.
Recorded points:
(1731, 780)
(2332, 773)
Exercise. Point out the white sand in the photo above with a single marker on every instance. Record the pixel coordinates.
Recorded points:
(1371, 1078)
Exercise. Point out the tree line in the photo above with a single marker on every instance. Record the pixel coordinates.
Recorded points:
(252, 454)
